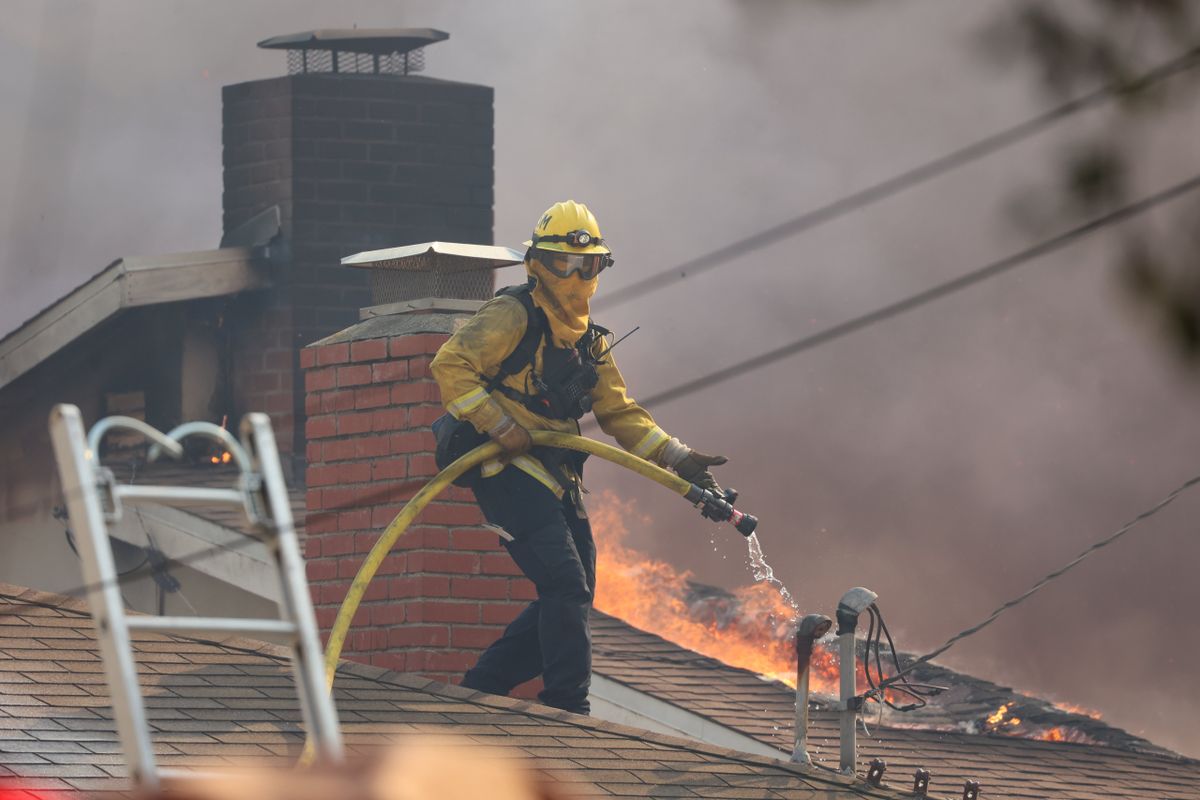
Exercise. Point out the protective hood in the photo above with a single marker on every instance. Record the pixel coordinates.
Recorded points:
(565, 301)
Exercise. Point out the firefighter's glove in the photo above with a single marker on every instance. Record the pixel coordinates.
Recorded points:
(692, 465)
(512, 438)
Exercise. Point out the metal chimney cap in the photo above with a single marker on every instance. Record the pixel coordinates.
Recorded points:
(375, 41)
(437, 257)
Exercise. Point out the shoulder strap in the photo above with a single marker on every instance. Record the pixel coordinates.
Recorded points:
(526, 350)
(595, 333)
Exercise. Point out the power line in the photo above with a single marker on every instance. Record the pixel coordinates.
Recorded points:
(971, 631)
(892, 186)
(927, 296)
(827, 335)
(901, 306)
(808, 342)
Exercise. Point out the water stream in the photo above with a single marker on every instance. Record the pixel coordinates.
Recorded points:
(763, 573)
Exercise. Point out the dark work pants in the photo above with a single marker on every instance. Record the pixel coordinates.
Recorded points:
(553, 546)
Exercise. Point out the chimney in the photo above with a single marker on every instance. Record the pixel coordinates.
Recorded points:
(449, 588)
(351, 150)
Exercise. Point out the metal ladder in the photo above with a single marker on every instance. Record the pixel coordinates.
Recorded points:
(95, 499)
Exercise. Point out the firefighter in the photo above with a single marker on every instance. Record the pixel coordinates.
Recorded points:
(532, 359)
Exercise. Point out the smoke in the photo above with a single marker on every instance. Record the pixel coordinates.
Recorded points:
(946, 459)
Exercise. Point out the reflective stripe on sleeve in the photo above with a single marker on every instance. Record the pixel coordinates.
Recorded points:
(650, 442)
(468, 402)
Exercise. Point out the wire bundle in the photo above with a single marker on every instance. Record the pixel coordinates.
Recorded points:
(899, 682)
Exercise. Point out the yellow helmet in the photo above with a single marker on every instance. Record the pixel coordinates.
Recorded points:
(570, 228)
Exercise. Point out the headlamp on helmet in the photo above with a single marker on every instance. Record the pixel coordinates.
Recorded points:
(579, 238)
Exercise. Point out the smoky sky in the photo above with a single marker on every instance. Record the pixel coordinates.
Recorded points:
(946, 459)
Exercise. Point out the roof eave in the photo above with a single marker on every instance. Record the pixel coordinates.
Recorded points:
(128, 283)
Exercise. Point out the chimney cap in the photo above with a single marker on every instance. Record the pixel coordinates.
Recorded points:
(375, 41)
(437, 257)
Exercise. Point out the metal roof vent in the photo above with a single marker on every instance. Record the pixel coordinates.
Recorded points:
(371, 51)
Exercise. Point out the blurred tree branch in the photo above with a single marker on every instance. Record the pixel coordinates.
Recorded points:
(1074, 47)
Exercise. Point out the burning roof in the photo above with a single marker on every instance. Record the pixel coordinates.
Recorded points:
(741, 642)
(1116, 765)
(750, 628)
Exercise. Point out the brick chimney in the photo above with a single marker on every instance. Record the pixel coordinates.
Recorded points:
(351, 150)
(449, 588)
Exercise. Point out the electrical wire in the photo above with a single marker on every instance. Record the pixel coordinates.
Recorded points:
(921, 298)
(877, 316)
(877, 688)
(971, 631)
(152, 554)
(842, 329)
(892, 186)
(876, 629)
(187, 603)
(60, 514)
(837, 331)
(148, 569)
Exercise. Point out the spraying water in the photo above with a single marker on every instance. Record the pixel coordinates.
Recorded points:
(763, 573)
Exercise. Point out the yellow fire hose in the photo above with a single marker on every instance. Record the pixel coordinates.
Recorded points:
(717, 508)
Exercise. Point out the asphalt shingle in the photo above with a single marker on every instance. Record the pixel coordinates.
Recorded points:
(194, 725)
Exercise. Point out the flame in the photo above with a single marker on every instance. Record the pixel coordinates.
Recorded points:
(1071, 708)
(1053, 735)
(1062, 734)
(754, 632)
(649, 594)
(224, 458)
(1000, 719)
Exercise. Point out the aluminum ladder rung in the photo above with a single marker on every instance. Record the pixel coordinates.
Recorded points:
(179, 494)
(177, 774)
(94, 498)
(273, 630)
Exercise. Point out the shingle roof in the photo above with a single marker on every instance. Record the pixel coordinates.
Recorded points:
(1004, 766)
(212, 704)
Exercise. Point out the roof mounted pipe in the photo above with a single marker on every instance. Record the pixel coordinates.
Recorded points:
(853, 603)
(811, 628)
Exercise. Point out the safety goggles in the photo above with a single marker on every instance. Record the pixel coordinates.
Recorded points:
(564, 265)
